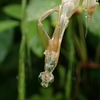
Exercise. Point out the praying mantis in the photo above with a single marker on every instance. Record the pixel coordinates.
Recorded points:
(52, 45)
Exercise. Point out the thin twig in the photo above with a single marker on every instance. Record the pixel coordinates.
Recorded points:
(21, 82)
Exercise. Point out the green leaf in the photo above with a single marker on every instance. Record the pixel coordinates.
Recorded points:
(8, 24)
(34, 39)
(37, 7)
(54, 18)
(13, 10)
(58, 96)
(9, 65)
(46, 94)
(93, 24)
(5, 43)
(35, 97)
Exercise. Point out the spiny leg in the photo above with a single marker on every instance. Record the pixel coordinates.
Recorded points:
(43, 34)
(56, 35)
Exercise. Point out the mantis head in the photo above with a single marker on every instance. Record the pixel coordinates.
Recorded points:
(46, 78)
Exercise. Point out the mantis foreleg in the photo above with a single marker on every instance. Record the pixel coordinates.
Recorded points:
(43, 34)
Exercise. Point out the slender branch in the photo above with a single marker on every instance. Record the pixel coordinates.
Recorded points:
(70, 62)
(21, 82)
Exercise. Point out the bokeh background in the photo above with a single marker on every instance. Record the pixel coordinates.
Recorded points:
(77, 75)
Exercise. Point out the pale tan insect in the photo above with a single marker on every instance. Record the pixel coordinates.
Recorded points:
(52, 45)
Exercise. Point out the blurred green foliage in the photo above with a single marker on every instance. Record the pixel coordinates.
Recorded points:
(77, 76)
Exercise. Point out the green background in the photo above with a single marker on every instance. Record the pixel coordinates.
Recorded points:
(77, 75)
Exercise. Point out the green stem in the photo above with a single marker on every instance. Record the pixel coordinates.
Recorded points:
(69, 75)
(70, 47)
(21, 82)
(82, 37)
(81, 29)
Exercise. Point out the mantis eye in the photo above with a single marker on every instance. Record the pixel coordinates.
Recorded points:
(46, 78)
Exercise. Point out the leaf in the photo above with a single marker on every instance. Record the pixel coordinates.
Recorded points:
(45, 91)
(58, 96)
(34, 39)
(5, 43)
(54, 18)
(37, 7)
(46, 94)
(93, 35)
(9, 65)
(13, 10)
(7, 24)
(94, 25)
(35, 97)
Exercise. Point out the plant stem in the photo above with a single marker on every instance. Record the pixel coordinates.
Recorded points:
(70, 47)
(21, 82)
(82, 37)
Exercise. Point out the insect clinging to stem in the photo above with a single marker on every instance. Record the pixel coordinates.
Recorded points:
(52, 45)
